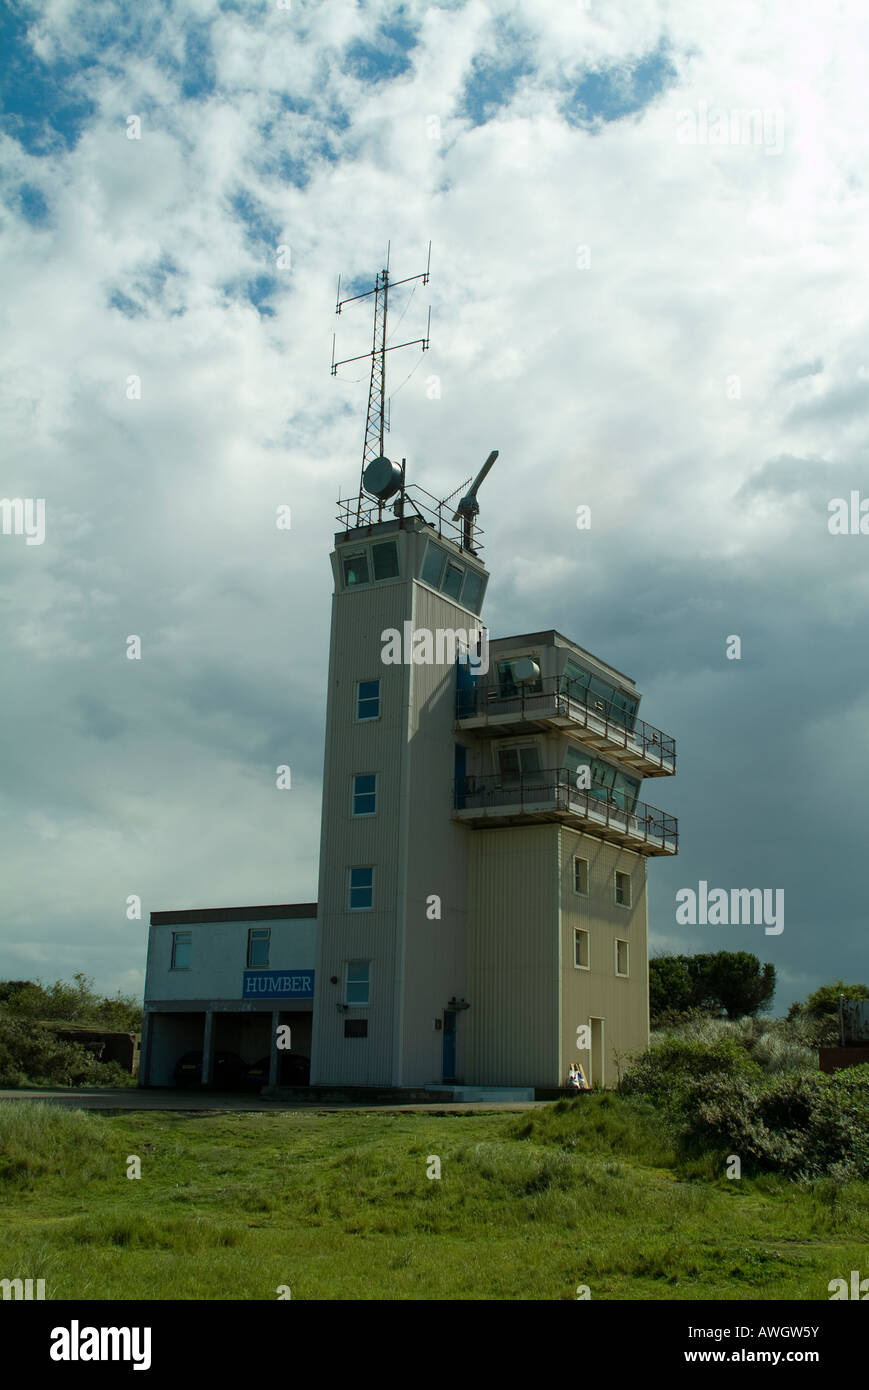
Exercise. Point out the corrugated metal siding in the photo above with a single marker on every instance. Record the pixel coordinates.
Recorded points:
(599, 992)
(513, 957)
(435, 954)
(359, 618)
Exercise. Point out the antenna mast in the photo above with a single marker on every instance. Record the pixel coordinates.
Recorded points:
(377, 423)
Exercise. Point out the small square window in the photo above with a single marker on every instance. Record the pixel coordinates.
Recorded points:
(368, 700)
(258, 939)
(580, 876)
(356, 1027)
(361, 889)
(182, 949)
(358, 982)
(621, 958)
(623, 889)
(385, 557)
(365, 794)
(355, 569)
(580, 949)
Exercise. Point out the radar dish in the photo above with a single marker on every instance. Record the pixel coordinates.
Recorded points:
(382, 478)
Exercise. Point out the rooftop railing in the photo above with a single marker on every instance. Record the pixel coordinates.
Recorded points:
(362, 510)
(564, 698)
(554, 789)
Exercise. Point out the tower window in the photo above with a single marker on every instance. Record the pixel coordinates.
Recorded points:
(623, 889)
(453, 581)
(182, 948)
(368, 700)
(365, 794)
(472, 591)
(357, 982)
(258, 939)
(385, 558)
(580, 949)
(355, 569)
(622, 958)
(580, 876)
(433, 566)
(361, 889)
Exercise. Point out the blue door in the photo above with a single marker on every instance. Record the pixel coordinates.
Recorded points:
(466, 690)
(449, 1061)
(460, 773)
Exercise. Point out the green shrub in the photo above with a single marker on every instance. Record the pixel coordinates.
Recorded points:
(669, 1070)
(804, 1126)
(32, 1054)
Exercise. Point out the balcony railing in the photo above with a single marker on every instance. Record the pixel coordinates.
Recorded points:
(554, 790)
(559, 698)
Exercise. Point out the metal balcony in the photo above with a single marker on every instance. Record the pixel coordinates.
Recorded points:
(552, 795)
(480, 707)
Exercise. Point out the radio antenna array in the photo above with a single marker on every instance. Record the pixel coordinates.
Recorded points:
(377, 419)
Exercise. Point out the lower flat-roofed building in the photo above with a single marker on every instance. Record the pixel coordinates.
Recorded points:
(220, 983)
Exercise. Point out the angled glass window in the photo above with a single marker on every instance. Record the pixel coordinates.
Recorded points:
(365, 794)
(368, 700)
(385, 558)
(355, 569)
(452, 581)
(472, 592)
(361, 889)
(433, 566)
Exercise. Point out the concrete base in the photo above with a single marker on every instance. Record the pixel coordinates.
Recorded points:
(481, 1093)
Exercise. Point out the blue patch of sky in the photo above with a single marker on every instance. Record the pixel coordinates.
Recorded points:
(152, 281)
(258, 225)
(124, 305)
(33, 205)
(40, 107)
(258, 290)
(610, 93)
(199, 72)
(491, 83)
(385, 56)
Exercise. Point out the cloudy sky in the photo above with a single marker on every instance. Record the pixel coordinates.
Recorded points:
(648, 299)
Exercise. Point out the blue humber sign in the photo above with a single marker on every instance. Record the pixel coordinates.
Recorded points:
(278, 984)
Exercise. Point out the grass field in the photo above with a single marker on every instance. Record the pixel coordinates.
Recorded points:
(338, 1206)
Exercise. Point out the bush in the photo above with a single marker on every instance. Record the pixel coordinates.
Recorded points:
(670, 1068)
(806, 1126)
(31, 1054)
